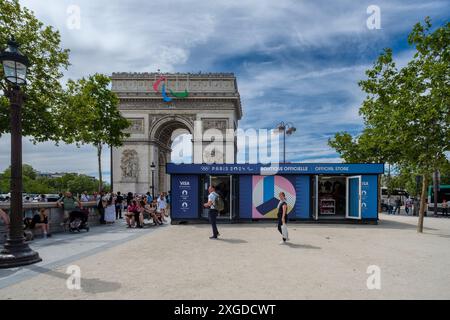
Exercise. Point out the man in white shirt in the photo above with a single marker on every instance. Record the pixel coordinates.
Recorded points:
(84, 197)
(212, 198)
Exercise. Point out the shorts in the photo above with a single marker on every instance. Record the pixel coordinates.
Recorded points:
(67, 214)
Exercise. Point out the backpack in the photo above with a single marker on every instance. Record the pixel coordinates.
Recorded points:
(219, 205)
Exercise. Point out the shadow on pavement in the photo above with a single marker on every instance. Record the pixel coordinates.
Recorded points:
(382, 224)
(4, 273)
(87, 285)
(389, 224)
(233, 241)
(301, 246)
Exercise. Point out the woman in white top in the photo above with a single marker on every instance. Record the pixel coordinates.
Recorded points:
(110, 210)
(162, 204)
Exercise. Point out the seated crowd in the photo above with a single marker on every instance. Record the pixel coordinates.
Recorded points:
(110, 206)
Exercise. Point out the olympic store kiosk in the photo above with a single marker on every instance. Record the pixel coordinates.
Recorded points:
(314, 191)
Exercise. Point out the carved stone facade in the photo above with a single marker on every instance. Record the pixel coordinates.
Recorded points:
(213, 101)
(129, 165)
(137, 125)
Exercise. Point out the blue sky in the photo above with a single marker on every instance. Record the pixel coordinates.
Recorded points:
(297, 61)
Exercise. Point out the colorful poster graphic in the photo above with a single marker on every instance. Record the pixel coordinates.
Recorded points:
(265, 195)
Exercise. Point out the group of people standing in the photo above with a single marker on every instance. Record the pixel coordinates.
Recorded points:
(394, 206)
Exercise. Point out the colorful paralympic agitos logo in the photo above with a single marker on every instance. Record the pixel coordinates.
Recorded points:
(162, 80)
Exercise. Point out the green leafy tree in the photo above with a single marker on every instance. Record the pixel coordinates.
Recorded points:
(41, 44)
(33, 183)
(406, 111)
(91, 115)
(82, 183)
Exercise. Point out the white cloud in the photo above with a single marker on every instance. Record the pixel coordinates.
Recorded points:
(295, 60)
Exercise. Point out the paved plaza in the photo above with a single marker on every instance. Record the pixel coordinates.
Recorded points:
(180, 262)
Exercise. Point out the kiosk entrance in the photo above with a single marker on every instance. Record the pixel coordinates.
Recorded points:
(224, 187)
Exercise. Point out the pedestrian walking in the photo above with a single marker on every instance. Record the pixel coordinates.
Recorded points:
(282, 217)
(398, 204)
(408, 205)
(389, 205)
(212, 205)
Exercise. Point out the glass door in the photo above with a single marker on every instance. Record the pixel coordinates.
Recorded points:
(353, 196)
(224, 187)
(205, 181)
(315, 198)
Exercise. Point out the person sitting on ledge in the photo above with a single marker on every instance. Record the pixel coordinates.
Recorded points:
(139, 218)
(130, 216)
(40, 221)
(4, 220)
(150, 212)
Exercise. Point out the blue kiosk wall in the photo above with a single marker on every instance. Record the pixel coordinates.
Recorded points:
(257, 189)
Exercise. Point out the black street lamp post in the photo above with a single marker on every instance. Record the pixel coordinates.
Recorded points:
(16, 252)
(153, 168)
(288, 129)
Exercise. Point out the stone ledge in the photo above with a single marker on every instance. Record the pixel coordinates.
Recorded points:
(56, 216)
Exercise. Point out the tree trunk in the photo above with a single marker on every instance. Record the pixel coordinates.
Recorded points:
(435, 191)
(99, 158)
(422, 203)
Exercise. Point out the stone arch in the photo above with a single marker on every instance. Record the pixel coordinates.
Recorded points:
(161, 136)
(161, 127)
(213, 99)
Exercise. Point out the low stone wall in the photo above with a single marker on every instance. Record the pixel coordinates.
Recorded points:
(56, 216)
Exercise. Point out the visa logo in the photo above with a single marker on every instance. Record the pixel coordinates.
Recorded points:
(184, 183)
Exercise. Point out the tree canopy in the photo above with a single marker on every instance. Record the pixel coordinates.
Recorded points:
(407, 110)
(44, 92)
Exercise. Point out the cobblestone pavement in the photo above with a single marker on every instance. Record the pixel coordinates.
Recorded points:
(180, 262)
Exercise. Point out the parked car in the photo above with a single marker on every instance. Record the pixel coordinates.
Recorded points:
(52, 197)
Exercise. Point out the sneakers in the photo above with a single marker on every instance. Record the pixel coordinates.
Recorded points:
(282, 242)
(213, 237)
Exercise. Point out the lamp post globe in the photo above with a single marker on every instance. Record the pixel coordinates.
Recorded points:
(15, 252)
(15, 64)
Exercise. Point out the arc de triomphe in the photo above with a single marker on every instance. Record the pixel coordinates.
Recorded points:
(212, 98)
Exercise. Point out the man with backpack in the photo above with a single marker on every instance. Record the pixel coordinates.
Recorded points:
(214, 204)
